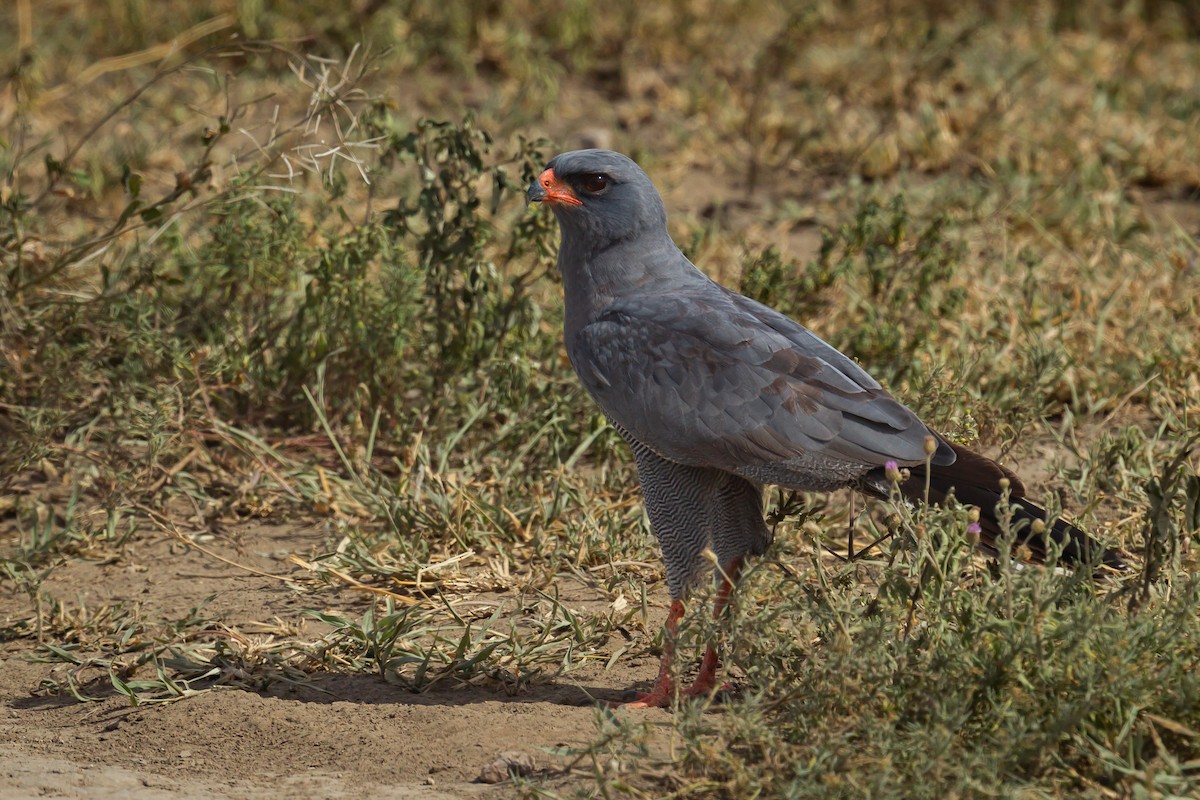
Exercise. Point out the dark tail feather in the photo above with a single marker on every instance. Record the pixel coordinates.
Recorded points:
(975, 480)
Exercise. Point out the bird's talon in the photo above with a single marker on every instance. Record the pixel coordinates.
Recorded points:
(705, 689)
(655, 699)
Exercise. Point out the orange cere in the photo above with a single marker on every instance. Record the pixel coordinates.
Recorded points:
(557, 191)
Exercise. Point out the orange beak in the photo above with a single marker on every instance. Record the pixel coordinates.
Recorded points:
(549, 189)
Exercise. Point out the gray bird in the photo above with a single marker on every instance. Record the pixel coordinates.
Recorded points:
(717, 395)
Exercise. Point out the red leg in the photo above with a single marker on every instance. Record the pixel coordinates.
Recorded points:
(706, 679)
(664, 690)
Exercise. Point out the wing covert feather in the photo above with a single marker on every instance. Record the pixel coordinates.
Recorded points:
(725, 382)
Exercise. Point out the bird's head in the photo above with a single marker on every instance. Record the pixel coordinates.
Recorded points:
(599, 197)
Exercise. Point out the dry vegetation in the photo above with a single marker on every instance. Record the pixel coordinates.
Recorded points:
(273, 272)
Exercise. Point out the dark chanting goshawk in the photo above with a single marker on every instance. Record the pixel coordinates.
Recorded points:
(719, 395)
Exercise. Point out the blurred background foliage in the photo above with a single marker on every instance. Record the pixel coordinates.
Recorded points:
(261, 260)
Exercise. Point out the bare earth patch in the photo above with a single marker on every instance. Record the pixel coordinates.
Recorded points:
(338, 735)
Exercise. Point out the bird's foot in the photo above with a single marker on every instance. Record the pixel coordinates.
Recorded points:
(661, 696)
(704, 688)
(658, 697)
(706, 678)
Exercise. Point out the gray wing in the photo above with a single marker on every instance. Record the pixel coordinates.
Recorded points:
(719, 380)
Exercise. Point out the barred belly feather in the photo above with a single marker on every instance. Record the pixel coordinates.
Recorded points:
(694, 508)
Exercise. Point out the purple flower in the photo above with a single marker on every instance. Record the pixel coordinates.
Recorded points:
(974, 529)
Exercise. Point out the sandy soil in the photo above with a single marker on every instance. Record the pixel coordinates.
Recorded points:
(337, 735)
(341, 735)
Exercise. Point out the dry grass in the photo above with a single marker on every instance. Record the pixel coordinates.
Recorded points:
(289, 274)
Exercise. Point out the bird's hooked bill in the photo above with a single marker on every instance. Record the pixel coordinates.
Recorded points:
(548, 188)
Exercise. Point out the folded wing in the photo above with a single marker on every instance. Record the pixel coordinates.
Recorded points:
(715, 379)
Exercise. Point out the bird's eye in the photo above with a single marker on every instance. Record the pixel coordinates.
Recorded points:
(595, 183)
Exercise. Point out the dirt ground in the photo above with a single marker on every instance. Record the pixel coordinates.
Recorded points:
(339, 734)
(342, 735)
